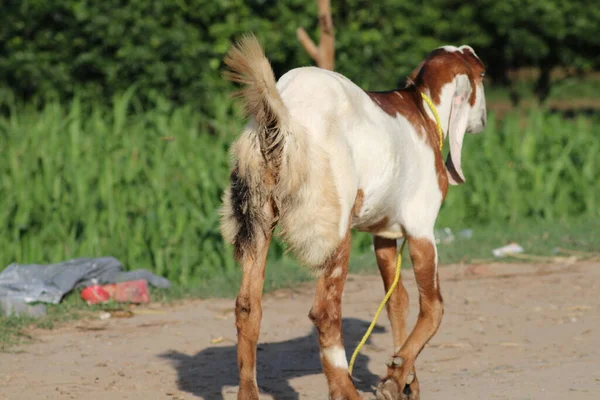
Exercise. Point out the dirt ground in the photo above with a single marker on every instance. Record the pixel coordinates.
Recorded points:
(509, 332)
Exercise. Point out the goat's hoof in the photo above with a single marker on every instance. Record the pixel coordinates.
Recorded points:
(411, 391)
(248, 394)
(388, 389)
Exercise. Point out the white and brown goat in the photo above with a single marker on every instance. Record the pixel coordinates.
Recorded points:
(320, 157)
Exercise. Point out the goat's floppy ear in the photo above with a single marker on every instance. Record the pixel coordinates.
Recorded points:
(457, 126)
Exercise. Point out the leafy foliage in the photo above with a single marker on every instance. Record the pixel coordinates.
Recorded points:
(174, 48)
(541, 34)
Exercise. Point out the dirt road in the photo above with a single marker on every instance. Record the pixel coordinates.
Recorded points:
(509, 332)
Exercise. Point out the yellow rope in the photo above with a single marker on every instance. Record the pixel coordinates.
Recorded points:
(437, 118)
(385, 299)
(399, 261)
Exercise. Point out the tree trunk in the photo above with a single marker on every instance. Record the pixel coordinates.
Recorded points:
(324, 54)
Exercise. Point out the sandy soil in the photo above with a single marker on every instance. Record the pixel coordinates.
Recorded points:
(509, 332)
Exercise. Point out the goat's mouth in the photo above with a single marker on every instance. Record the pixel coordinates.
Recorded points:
(477, 127)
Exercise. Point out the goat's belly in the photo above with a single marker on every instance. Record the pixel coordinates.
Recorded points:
(386, 226)
(378, 214)
(380, 189)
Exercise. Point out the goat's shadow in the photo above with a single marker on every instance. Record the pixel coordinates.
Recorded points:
(207, 373)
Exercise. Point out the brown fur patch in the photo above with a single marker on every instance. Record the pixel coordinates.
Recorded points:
(422, 254)
(474, 61)
(378, 226)
(441, 66)
(437, 70)
(358, 203)
(408, 103)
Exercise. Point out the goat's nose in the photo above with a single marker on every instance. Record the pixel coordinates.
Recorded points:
(483, 120)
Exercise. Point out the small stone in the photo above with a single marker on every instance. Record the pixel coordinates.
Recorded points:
(104, 316)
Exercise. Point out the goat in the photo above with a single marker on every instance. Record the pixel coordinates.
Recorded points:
(321, 156)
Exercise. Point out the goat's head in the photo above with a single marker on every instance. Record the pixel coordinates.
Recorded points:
(454, 78)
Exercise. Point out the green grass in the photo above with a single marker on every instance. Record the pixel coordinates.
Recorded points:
(144, 185)
(530, 165)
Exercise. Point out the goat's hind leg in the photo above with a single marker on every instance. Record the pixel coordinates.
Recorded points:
(326, 314)
(248, 314)
(248, 221)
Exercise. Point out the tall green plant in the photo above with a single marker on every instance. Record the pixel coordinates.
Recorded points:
(87, 179)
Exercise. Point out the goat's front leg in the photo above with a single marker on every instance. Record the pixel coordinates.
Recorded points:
(326, 314)
(397, 306)
(401, 382)
(248, 311)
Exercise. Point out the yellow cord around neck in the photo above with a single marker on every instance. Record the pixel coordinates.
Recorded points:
(399, 261)
(437, 118)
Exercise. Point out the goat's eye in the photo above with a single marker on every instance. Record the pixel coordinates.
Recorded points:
(482, 74)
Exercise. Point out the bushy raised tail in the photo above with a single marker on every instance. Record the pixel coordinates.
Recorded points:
(248, 65)
(277, 175)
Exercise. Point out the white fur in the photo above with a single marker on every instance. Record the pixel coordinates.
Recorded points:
(336, 356)
(382, 155)
(477, 118)
(450, 49)
(322, 139)
(336, 141)
(368, 149)
(466, 47)
(319, 100)
(443, 107)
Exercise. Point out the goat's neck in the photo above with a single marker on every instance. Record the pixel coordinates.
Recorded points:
(443, 104)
